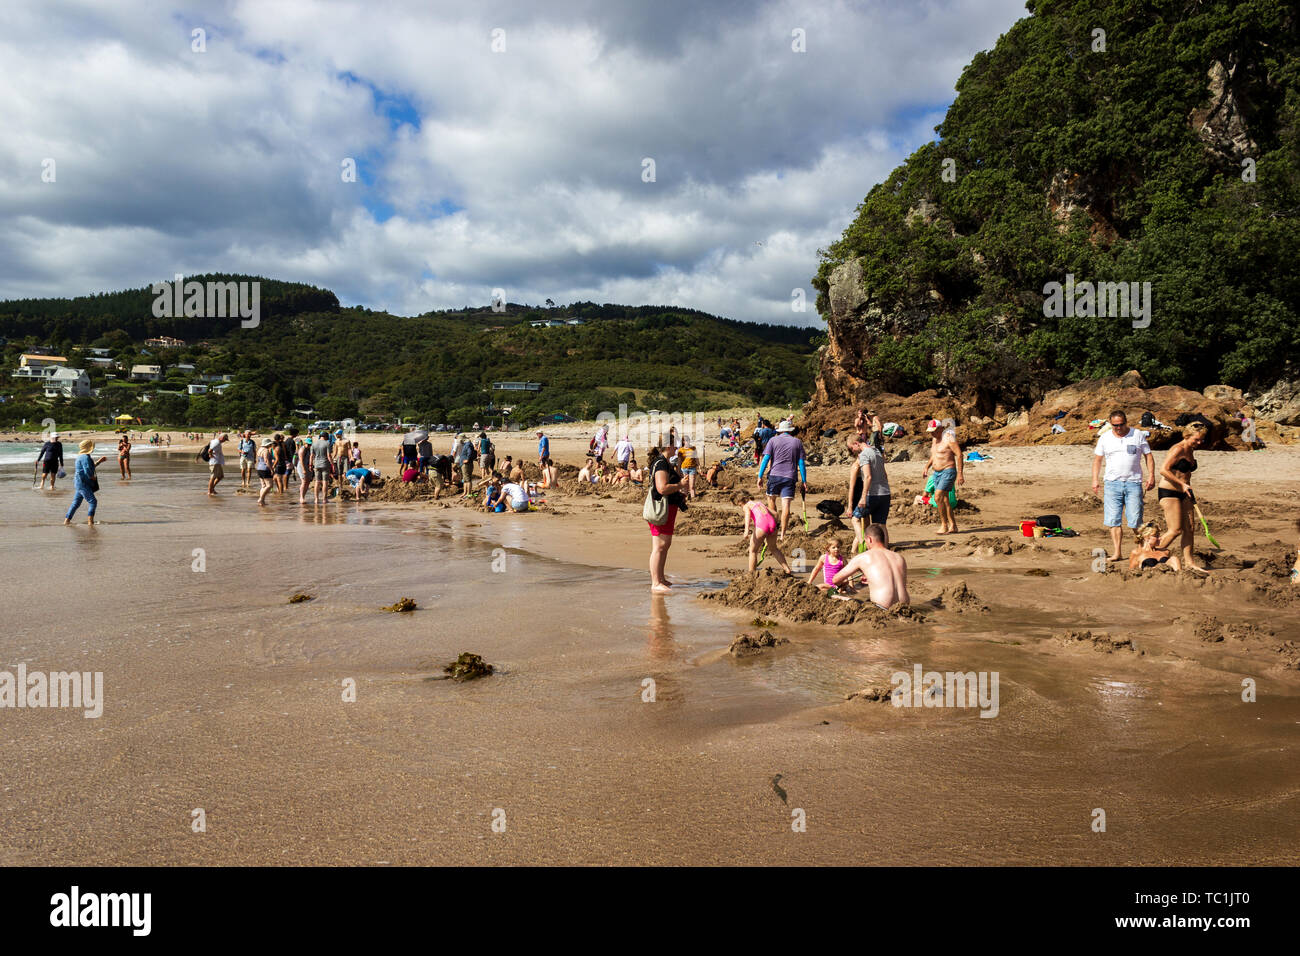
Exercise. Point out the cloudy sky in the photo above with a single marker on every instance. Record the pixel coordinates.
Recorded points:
(497, 143)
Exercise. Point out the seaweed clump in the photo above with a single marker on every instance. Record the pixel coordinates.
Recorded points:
(405, 604)
(468, 667)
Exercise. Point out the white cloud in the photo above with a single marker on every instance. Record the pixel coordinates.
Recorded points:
(519, 170)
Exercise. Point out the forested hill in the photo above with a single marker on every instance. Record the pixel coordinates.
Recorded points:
(1127, 141)
(346, 362)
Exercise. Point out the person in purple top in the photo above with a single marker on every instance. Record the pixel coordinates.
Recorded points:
(785, 453)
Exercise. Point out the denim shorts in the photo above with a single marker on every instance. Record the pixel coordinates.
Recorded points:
(1123, 497)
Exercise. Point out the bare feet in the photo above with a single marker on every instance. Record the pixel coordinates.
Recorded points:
(67, 521)
(660, 589)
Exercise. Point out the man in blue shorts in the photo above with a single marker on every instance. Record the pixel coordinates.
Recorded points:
(785, 453)
(945, 462)
(1123, 450)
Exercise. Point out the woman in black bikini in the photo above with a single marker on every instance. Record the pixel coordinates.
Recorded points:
(1146, 553)
(1174, 492)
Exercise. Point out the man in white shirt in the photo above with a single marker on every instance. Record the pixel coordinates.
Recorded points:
(516, 496)
(1123, 450)
(623, 451)
(216, 463)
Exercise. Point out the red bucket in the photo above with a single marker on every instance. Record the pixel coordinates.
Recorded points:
(1027, 528)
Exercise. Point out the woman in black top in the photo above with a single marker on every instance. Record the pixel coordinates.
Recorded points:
(1174, 492)
(666, 482)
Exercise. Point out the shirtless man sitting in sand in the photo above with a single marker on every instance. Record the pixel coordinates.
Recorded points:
(945, 462)
(885, 570)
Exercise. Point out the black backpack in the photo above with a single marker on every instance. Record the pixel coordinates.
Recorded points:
(206, 453)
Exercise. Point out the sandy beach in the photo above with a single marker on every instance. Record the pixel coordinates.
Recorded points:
(222, 696)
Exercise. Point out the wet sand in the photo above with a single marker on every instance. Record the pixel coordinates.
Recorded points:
(220, 695)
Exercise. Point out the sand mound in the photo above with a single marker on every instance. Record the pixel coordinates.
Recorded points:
(958, 597)
(997, 545)
(1100, 641)
(770, 592)
(1275, 565)
(876, 694)
(713, 521)
(400, 491)
(747, 645)
(904, 509)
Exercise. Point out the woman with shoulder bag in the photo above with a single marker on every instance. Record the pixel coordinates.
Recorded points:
(85, 482)
(664, 500)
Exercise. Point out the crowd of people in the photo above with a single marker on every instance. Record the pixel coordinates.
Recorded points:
(316, 463)
(1120, 456)
(1123, 471)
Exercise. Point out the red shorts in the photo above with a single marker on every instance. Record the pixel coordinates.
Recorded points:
(667, 527)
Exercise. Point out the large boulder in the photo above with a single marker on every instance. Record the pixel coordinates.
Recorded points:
(1222, 393)
(1087, 401)
(1280, 404)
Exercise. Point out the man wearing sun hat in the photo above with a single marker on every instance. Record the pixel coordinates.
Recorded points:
(785, 453)
(50, 459)
(945, 462)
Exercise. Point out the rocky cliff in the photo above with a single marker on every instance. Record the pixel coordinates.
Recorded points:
(1162, 153)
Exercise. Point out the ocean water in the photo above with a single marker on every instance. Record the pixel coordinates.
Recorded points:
(24, 453)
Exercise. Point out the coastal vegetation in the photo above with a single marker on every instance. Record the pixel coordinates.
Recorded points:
(307, 351)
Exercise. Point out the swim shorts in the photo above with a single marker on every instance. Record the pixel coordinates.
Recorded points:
(322, 474)
(667, 527)
(945, 479)
(780, 487)
(218, 471)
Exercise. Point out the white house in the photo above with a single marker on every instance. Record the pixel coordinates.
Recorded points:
(146, 373)
(67, 383)
(197, 389)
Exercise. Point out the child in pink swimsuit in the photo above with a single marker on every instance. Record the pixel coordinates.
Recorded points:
(829, 565)
(764, 527)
